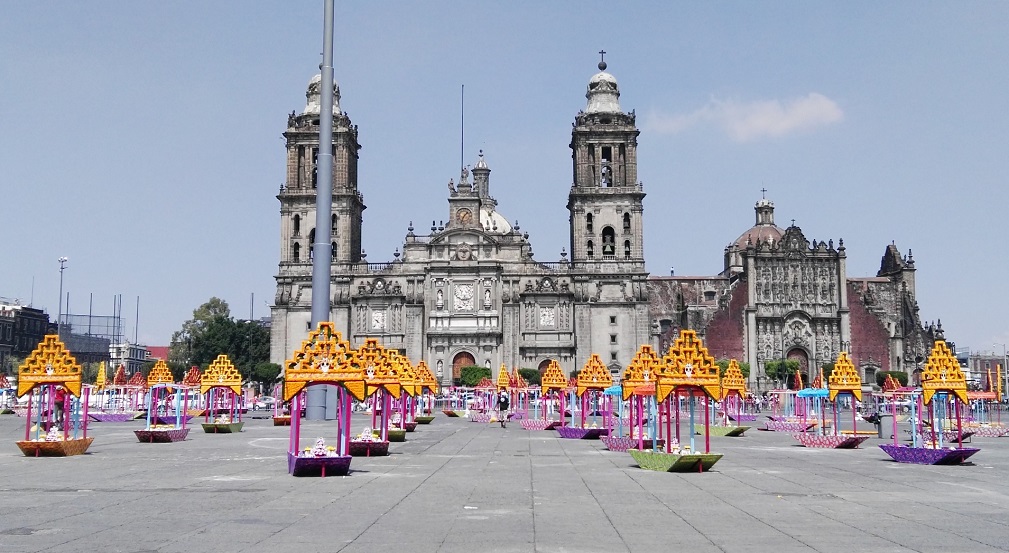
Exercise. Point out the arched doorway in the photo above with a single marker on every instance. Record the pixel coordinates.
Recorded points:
(461, 359)
(543, 365)
(802, 357)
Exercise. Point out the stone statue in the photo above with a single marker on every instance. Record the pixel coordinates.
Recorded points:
(451, 186)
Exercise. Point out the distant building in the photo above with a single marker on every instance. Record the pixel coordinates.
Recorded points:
(978, 367)
(30, 326)
(158, 353)
(131, 356)
(6, 339)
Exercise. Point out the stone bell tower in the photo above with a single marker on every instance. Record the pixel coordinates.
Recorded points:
(297, 196)
(605, 201)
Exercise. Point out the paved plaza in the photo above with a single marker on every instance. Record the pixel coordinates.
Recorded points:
(458, 486)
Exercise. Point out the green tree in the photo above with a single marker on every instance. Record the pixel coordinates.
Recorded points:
(266, 374)
(723, 365)
(212, 332)
(180, 352)
(827, 369)
(781, 370)
(532, 376)
(899, 376)
(473, 374)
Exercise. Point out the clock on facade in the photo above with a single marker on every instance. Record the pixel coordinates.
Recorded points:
(378, 320)
(465, 216)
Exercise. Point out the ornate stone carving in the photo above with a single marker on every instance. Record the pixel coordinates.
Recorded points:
(547, 317)
(463, 297)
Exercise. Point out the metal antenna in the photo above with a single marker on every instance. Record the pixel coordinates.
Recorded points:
(462, 127)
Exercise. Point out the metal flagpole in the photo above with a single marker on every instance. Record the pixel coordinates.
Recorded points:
(317, 404)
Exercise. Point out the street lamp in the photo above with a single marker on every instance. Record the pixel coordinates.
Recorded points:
(59, 316)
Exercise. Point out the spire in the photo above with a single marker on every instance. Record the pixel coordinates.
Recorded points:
(314, 97)
(603, 94)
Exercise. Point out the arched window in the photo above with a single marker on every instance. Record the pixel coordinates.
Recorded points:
(609, 241)
(627, 249)
(297, 225)
(589, 249)
(588, 222)
(334, 223)
(333, 249)
(627, 222)
(296, 253)
(311, 243)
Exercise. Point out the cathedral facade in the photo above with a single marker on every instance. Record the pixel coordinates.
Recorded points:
(471, 293)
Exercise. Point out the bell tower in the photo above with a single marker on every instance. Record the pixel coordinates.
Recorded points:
(297, 196)
(605, 201)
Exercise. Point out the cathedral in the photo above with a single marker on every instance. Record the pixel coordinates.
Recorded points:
(471, 293)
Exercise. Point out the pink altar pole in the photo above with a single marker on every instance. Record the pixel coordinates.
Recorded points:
(854, 417)
(707, 425)
(84, 420)
(640, 423)
(561, 395)
(959, 422)
(677, 396)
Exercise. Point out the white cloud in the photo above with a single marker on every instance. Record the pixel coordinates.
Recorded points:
(753, 120)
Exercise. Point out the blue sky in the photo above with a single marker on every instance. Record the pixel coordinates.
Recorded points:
(143, 140)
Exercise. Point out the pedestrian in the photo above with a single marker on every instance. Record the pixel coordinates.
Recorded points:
(502, 407)
(58, 400)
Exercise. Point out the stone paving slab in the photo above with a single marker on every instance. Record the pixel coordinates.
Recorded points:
(457, 486)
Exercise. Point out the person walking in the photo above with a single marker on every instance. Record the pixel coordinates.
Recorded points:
(502, 407)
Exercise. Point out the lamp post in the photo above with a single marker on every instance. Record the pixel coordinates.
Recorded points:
(59, 316)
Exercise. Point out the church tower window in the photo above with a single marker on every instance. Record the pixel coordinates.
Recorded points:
(334, 224)
(589, 249)
(588, 222)
(333, 250)
(300, 174)
(609, 241)
(315, 167)
(297, 225)
(606, 169)
(627, 223)
(311, 243)
(296, 253)
(627, 249)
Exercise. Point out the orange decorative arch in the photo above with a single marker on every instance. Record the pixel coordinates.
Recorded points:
(942, 374)
(221, 374)
(323, 358)
(119, 378)
(193, 377)
(641, 371)
(50, 363)
(425, 378)
(687, 364)
(844, 378)
(733, 380)
(553, 378)
(378, 368)
(137, 380)
(503, 378)
(101, 379)
(593, 376)
(160, 374)
(407, 373)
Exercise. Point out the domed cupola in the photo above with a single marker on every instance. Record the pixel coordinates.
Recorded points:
(603, 93)
(314, 96)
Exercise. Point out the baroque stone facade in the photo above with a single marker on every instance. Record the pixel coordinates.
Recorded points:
(470, 292)
(782, 296)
